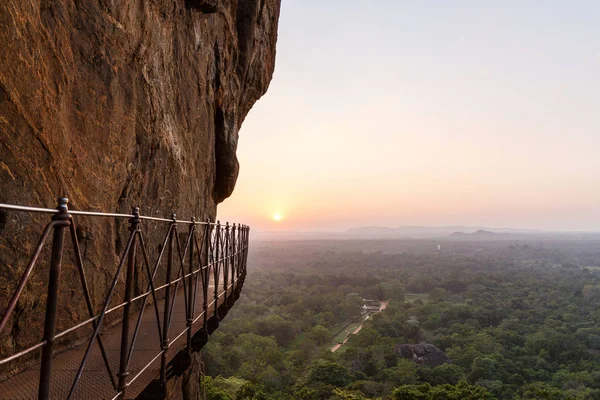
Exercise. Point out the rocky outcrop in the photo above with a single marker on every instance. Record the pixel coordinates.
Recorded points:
(117, 103)
(120, 103)
(424, 354)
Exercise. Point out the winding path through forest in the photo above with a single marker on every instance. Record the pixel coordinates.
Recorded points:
(382, 306)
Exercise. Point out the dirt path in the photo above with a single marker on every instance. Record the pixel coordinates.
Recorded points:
(382, 306)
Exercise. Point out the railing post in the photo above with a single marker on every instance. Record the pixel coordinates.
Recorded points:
(226, 262)
(240, 245)
(206, 272)
(166, 316)
(216, 263)
(240, 254)
(234, 258)
(245, 251)
(246, 245)
(123, 360)
(191, 306)
(52, 298)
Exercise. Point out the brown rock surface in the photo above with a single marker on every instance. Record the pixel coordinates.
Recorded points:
(424, 354)
(114, 103)
(120, 103)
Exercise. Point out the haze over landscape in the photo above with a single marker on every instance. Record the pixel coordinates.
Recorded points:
(466, 113)
(416, 213)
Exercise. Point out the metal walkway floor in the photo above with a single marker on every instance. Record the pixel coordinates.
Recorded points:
(95, 382)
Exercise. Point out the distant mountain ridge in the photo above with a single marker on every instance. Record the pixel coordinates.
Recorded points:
(479, 232)
(454, 232)
(436, 231)
(482, 234)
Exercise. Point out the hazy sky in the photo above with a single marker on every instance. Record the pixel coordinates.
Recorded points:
(426, 113)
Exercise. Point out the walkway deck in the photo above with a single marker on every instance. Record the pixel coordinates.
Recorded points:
(95, 383)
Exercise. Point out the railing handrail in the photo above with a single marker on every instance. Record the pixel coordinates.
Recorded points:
(14, 207)
(219, 257)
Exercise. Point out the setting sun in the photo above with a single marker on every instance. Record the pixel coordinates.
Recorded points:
(277, 217)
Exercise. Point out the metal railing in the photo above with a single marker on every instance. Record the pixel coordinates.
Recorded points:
(204, 271)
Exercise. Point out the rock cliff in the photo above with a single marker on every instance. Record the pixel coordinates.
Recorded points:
(121, 103)
(115, 103)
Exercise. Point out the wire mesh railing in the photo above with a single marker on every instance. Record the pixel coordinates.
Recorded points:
(175, 281)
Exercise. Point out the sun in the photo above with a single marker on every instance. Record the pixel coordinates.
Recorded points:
(277, 217)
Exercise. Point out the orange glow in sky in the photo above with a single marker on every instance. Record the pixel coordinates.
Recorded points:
(467, 113)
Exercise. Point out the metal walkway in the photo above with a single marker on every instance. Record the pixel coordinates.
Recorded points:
(123, 360)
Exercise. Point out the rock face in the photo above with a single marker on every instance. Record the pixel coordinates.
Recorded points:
(115, 104)
(424, 354)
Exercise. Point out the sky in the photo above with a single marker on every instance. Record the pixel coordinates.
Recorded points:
(391, 113)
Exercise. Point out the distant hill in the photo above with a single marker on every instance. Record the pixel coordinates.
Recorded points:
(456, 232)
(434, 232)
(482, 234)
(479, 232)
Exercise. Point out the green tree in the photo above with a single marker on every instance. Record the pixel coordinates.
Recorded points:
(320, 334)
(344, 395)
(403, 373)
(442, 374)
(212, 391)
(250, 391)
(329, 373)
(461, 391)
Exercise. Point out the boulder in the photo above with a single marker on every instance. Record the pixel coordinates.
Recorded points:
(424, 354)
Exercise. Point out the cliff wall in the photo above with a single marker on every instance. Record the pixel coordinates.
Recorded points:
(115, 104)
(120, 102)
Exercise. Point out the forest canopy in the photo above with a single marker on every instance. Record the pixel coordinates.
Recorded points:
(518, 320)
